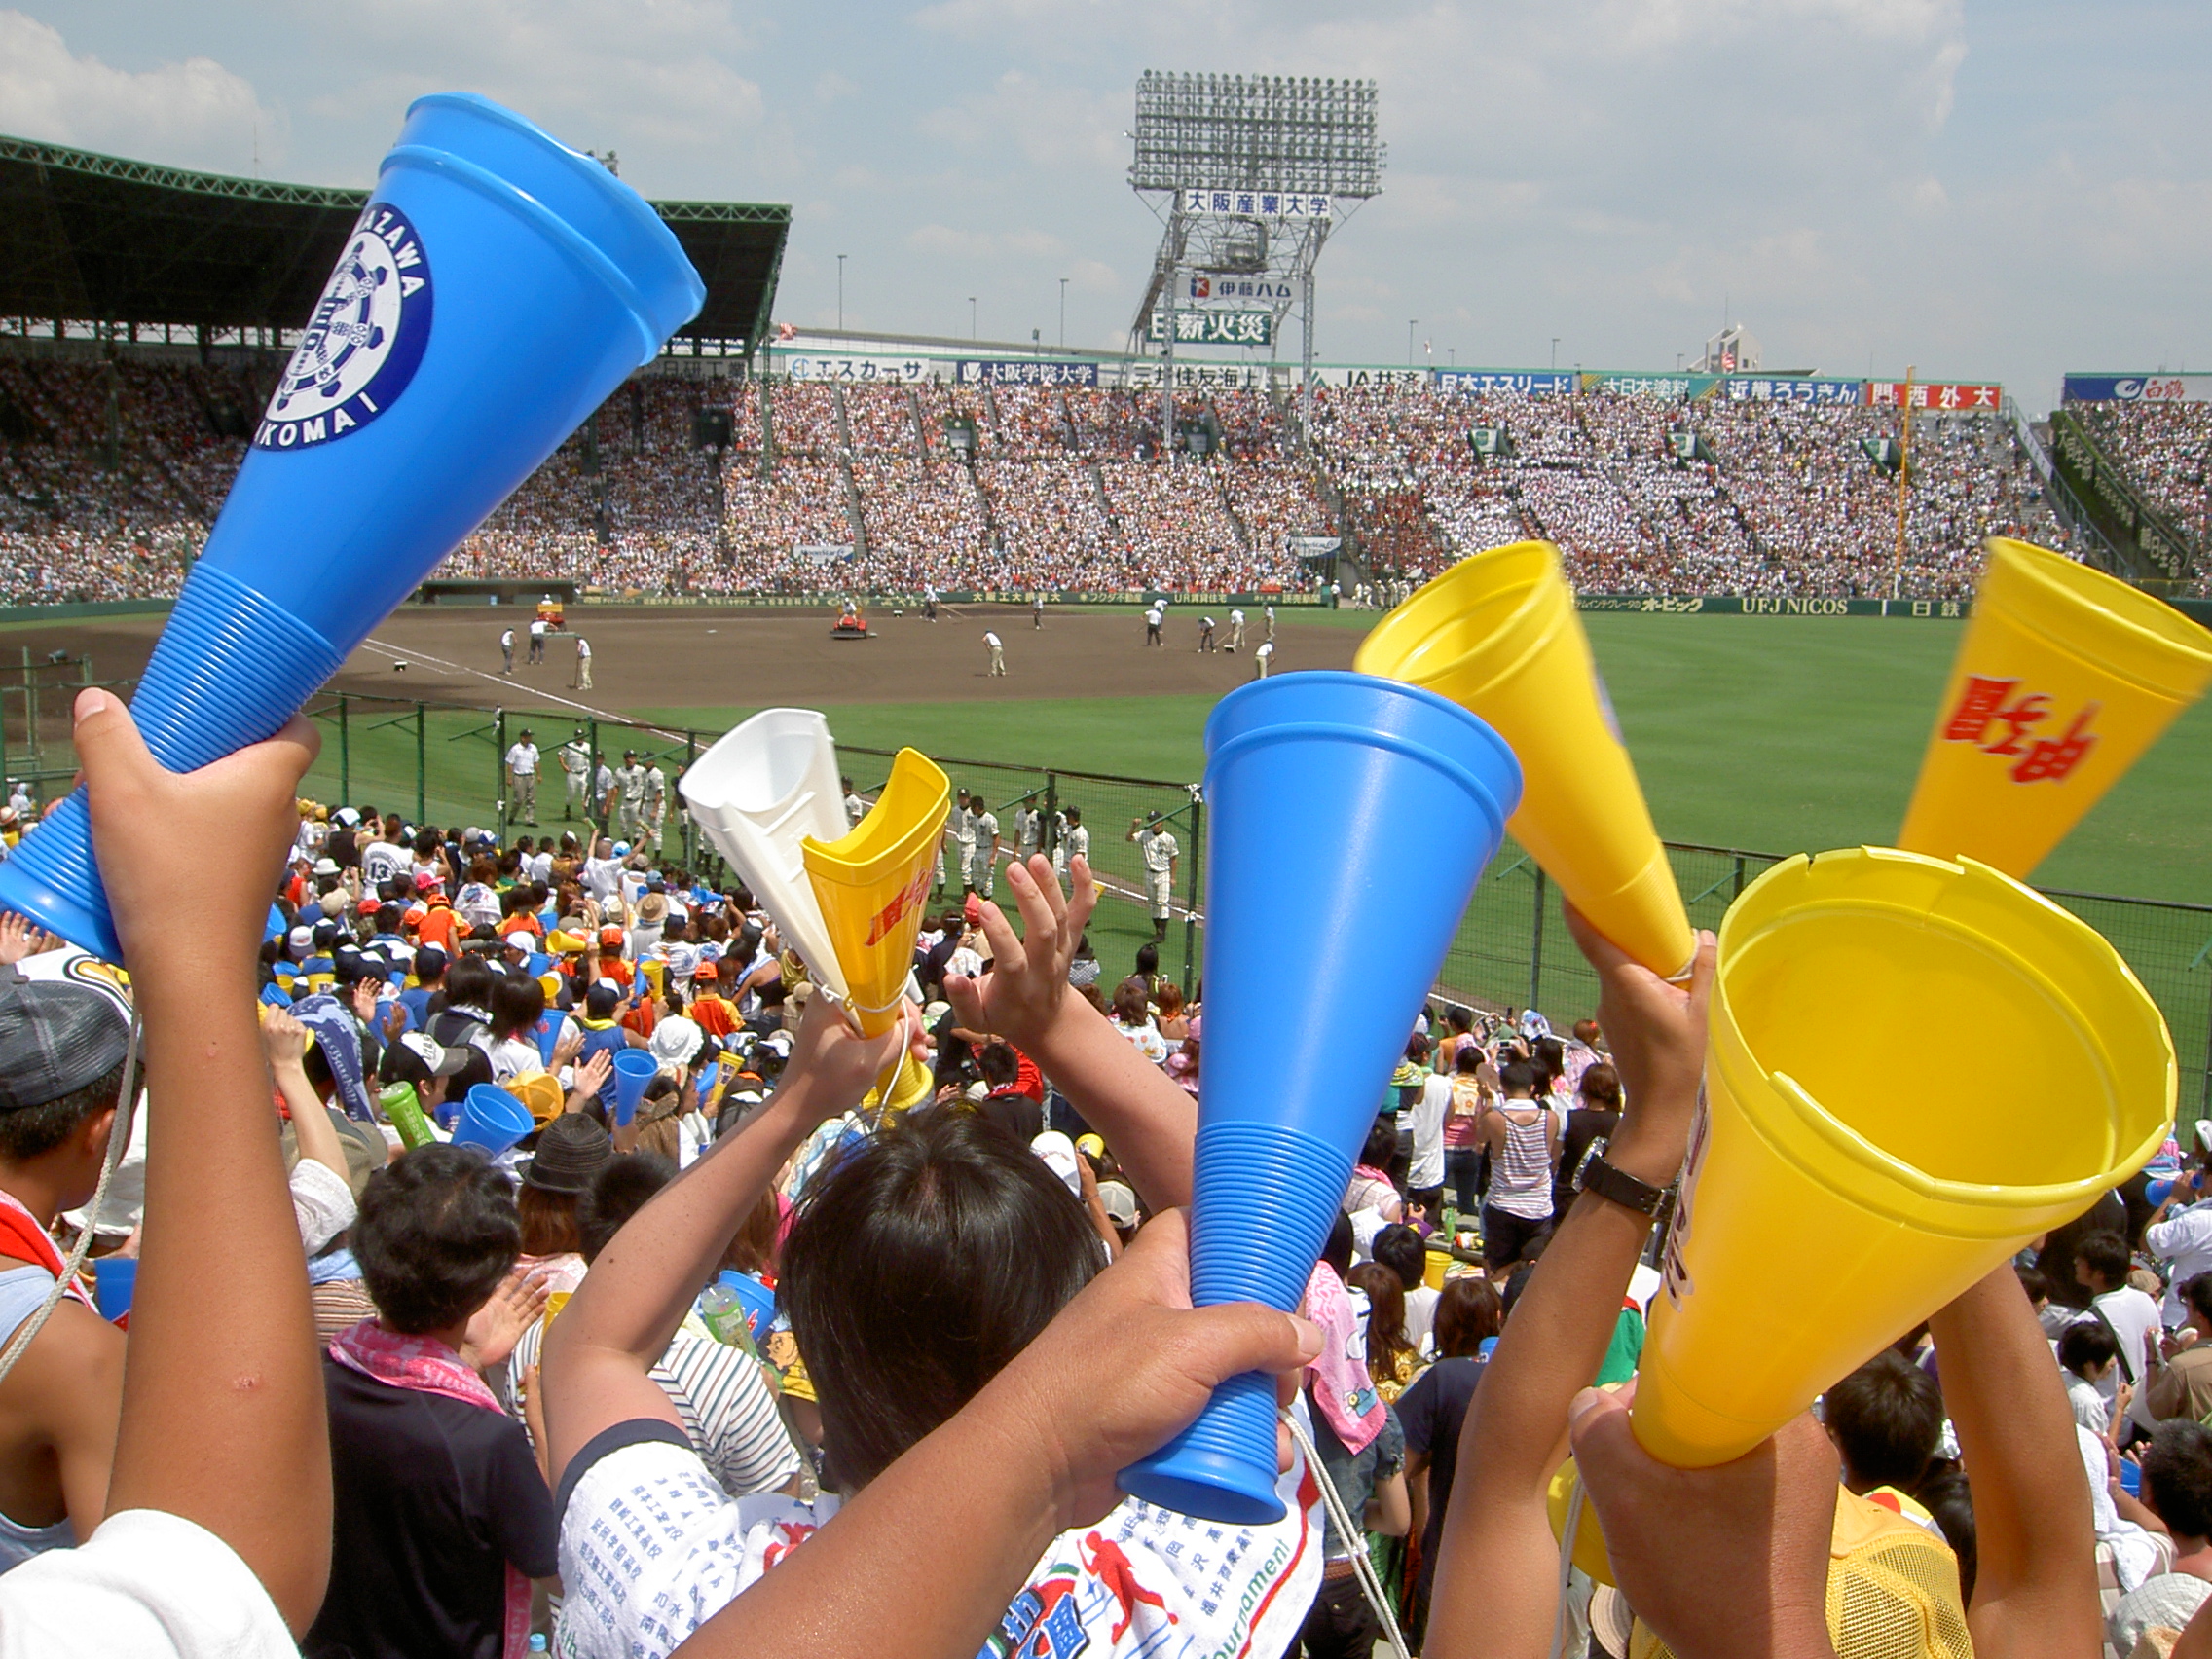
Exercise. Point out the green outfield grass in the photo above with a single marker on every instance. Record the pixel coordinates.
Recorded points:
(1778, 734)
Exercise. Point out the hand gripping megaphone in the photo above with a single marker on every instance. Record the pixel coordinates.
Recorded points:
(1498, 633)
(2065, 676)
(497, 288)
(1375, 804)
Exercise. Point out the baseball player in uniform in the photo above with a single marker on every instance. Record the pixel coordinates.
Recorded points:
(1158, 847)
(963, 834)
(576, 765)
(1028, 830)
(998, 653)
(983, 845)
(1262, 659)
(855, 808)
(1037, 610)
(656, 802)
(630, 779)
(1235, 630)
(605, 792)
(1075, 841)
(583, 664)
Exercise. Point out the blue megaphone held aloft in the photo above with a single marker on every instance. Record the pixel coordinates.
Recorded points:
(634, 1072)
(497, 287)
(1339, 806)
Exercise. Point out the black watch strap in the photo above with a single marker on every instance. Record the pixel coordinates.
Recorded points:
(1617, 1186)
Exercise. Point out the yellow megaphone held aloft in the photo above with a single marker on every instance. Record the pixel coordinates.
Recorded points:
(2064, 678)
(1498, 634)
(869, 886)
(1829, 1203)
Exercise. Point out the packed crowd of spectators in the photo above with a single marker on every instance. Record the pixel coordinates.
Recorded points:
(525, 1256)
(861, 488)
(2167, 448)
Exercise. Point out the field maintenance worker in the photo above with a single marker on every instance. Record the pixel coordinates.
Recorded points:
(1262, 659)
(507, 651)
(1075, 840)
(983, 845)
(522, 779)
(1153, 618)
(1235, 630)
(1037, 610)
(1206, 632)
(574, 756)
(583, 664)
(538, 639)
(1158, 847)
(998, 653)
(1270, 610)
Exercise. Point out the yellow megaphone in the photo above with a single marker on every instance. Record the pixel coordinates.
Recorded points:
(1498, 634)
(1827, 1203)
(869, 886)
(2064, 678)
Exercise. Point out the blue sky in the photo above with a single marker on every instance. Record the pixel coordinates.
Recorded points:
(1986, 191)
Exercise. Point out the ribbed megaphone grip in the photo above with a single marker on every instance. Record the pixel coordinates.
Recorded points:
(1265, 1199)
(230, 670)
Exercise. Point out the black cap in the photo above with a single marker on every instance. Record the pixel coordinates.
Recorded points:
(55, 1039)
(570, 1150)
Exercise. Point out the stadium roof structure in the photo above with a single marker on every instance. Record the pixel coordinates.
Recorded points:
(93, 238)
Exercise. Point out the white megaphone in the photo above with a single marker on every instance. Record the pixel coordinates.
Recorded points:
(758, 792)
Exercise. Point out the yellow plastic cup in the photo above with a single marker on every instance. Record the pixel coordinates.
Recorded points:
(2064, 678)
(1499, 635)
(1832, 1198)
(870, 885)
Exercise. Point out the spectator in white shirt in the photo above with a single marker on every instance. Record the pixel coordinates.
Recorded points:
(2179, 1233)
(2101, 1264)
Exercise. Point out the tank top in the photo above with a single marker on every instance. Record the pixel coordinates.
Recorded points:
(1521, 1176)
(21, 1290)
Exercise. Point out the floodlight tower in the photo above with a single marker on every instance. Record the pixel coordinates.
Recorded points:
(1247, 174)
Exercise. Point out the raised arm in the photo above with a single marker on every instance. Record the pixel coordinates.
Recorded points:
(616, 1329)
(2036, 1590)
(222, 1401)
(1498, 1564)
(1147, 1120)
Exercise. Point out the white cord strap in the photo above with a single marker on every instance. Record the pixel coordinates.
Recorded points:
(1351, 1534)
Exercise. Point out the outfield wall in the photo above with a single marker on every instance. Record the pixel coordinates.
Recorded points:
(1760, 605)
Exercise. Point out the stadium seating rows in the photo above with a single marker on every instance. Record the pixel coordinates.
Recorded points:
(864, 488)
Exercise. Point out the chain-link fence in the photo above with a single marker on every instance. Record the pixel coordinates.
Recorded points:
(1512, 949)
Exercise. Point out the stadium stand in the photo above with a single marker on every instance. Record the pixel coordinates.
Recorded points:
(2167, 451)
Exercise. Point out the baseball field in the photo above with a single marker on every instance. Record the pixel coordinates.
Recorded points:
(1774, 734)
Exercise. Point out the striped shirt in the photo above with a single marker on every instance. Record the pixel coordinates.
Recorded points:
(720, 1398)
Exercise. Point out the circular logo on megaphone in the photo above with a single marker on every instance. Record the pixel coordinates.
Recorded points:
(363, 342)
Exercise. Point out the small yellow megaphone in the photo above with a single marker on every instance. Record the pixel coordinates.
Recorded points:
(871, 884)
(2064, 678)
(1498, 634)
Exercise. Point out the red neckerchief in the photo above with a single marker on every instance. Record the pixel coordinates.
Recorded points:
(22, 1238)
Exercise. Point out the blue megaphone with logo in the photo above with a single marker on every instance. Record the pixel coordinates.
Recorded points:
(1375, 804)
(497, 288)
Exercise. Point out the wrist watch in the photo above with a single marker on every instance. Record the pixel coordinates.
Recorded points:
(1595, 1175)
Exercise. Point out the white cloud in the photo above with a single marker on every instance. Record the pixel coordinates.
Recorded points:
(192, 113)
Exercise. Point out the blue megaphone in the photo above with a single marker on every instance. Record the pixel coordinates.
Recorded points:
(1376, 804)
(634, 1072)
(497, 288)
